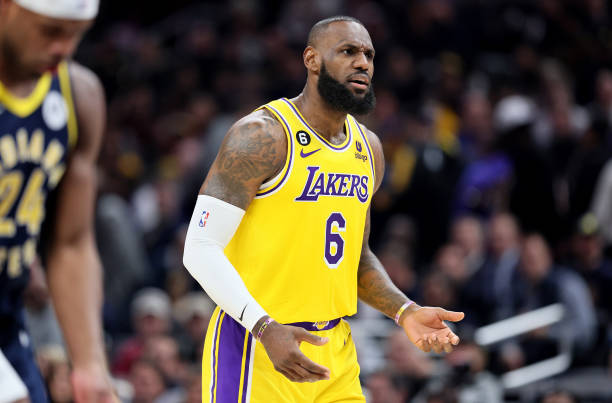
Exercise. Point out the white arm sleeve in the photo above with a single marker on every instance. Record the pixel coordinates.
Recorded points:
(212, 226)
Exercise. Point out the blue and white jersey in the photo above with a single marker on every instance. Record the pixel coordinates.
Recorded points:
(36, 134)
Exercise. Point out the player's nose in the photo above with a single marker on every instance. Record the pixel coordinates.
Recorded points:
(63, 48)
(360, 61)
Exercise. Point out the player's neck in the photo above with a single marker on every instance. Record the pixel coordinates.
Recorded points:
(20, 87)
(327, 122)
(14, 81)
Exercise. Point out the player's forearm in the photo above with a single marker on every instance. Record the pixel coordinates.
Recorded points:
(75, 283)
(212, 226)
(375, 288)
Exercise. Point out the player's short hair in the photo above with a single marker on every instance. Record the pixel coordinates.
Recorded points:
(322, 25)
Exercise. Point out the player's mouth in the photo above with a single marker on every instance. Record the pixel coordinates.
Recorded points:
(360, 82)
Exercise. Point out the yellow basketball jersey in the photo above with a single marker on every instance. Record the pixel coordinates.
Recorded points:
(298, 246)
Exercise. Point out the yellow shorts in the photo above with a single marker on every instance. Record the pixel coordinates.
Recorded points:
(236, 368)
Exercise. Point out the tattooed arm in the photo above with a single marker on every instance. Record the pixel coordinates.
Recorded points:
(423, 325)
(253, 151)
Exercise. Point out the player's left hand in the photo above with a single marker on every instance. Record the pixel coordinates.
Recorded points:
(426, 329)
(91, 384)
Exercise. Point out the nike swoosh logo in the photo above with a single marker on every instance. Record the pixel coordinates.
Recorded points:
(304, 155)
(242, 313)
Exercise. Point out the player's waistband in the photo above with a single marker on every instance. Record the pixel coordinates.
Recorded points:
(316, 326)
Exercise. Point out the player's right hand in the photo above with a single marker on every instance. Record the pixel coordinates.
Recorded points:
(282, 343)
(91, 384)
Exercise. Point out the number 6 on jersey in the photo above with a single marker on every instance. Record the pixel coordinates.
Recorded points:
(334, 243)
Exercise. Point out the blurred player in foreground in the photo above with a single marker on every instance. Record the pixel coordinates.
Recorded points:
(279, 238)
(52, 115)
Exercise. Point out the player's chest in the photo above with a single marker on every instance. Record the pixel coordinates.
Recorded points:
(339, 177)
(29, 143)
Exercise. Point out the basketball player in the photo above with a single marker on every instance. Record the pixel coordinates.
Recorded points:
(51, 122)
(279, 238)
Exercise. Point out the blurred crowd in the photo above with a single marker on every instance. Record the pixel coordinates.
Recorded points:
(496, 122)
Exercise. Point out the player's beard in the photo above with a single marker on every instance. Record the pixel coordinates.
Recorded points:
(340, 98)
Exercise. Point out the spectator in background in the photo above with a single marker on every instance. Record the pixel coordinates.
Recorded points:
(193, 312)
(121, 245)
(383, 387)
(596, 270)
(464, 379)
(558, 396)
(594, 151)
(544, 283)
(476, 135)
(490, 294)
(412, 366)
(468, 373)
(601, 107)
(558, 128)
(422, 178)
(438, 289)
(531, 194)
(163, 351)
(451, 261)
(485, 181)
(468, 234)
(398, 265)
(592, 264)
(148, 383)
(194, 388)
(151, 317)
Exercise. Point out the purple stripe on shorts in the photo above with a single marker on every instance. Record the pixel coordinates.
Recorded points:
(247, 362)
(316, 326)
(213, 372)
(229, 367)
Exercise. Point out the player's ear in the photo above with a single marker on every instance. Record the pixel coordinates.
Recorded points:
(312, 59)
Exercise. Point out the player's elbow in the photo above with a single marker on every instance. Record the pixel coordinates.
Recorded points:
(197, 254)
(190, 260)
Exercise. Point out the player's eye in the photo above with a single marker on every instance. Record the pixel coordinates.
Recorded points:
(51, 31)
(349, 51)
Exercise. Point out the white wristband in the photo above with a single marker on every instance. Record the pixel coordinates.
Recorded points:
(212, 226)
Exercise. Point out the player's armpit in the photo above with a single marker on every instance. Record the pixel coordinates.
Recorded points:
(253, 151)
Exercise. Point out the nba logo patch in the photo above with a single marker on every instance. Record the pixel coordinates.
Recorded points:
(203, 218)
(358, 146)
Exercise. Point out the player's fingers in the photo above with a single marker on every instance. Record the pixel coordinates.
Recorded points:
(454, 339)
(303, 335)
(304, 374)
(288, 374)
(301, 373)
(436, 344)
(295, 376)
(424, 345)
(450, 315)
(448, 348)
(319, 371)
